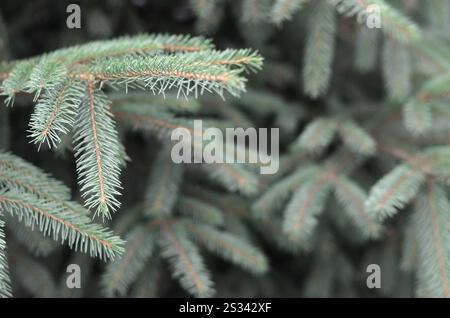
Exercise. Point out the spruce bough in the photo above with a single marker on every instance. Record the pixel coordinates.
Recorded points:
(71, 99)
(68, 89)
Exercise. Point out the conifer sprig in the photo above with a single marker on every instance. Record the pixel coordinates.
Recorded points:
(5, 284)
(38, 201)
(431, 224)
(96, 148)
(55, 113)
(186, 73)
(121, 273)
(319, 52)
(185, 259)
(305, 206)
(67, 85)
(352, 198)
(230, 247)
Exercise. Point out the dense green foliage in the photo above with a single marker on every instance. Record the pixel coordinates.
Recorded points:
(363, 111)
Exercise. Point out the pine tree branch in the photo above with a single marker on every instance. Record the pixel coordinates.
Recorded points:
(55, 113)
(431, 225)
(229, 247)
(394, 191)
(185, 260)
(199, 211)
(319, 52)
(68, 84)
(122, 272)
(306, 204)
(5, 283)
(185, 72)
(267, 204)
(51, 219)
(138, 45)
(96, 149)
(352, 199)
